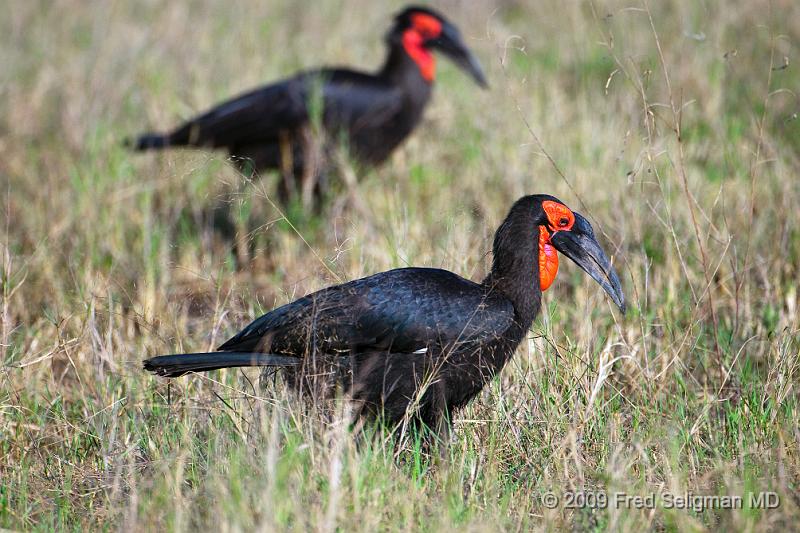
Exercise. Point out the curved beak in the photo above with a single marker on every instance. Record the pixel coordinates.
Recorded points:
(580, 245)
(450, 44)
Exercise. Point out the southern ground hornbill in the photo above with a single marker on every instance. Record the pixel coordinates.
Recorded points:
(421, 341)
(271, 127)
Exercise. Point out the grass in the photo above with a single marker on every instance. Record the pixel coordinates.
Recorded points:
(672, 125)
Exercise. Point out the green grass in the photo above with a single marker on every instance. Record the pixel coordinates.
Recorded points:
(108, 257)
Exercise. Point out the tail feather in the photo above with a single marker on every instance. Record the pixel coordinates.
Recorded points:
(187, 135)
(172, 366)
(149, 141)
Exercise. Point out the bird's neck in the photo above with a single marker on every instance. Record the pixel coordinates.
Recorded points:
(409, 66)
(515, 268)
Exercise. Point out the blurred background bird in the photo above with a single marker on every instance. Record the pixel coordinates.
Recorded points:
(293, 125)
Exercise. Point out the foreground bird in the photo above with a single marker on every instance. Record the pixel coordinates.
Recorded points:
(421, 341)
(271, 127)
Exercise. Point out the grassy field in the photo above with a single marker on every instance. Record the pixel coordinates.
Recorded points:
(672, 124)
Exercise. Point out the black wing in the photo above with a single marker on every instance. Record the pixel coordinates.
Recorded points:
(349, 99)
(256, 116)
(355, 101)
(404, 310)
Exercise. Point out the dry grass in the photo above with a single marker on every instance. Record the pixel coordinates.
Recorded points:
(675, 126)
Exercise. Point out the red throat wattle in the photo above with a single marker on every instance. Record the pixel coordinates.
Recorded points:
(412, 42)
(423, 27)
(548, 259)
(559, 218)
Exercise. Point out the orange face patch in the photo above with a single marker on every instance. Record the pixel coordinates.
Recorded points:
(423, 27)
(558, 215)
(427, 26)
(548, 260)
(559, 218)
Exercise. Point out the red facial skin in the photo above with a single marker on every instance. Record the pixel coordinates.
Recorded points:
(559, 218)
(548, 260)
(423, 27)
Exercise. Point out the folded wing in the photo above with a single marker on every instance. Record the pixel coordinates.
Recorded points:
(403, 310)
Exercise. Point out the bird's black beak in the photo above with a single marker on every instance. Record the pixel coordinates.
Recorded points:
(449, 42)
(580, 245)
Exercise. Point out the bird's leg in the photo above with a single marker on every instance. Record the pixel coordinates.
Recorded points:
(248, 168)
(350, 179)
(241, 242)
(444, 435)
(226, 226)
(440, 433)
(311, 167)
(288, 187)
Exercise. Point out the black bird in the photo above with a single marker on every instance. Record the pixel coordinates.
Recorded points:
(271, 127)
(422, 341)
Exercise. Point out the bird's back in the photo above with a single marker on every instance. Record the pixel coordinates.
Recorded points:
(402, 310)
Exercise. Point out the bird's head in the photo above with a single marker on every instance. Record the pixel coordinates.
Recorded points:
(421, 30)
(566, 231)
(556, 229)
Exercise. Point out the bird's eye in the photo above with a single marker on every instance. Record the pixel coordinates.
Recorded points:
(563, 222)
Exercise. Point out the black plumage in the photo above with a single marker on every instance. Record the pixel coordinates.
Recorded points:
(272, 127)
(419, 337)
